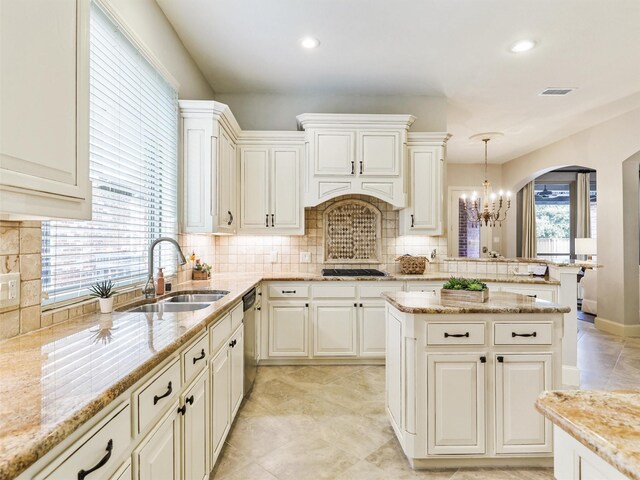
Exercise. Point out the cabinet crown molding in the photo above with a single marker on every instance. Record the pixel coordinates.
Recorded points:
(249, 137)
(210, 108)
(349, 120)
(428, 138)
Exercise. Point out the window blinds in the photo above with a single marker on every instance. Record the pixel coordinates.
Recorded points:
(133, 168)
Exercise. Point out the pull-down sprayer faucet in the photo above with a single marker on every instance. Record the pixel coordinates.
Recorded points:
(149, 289)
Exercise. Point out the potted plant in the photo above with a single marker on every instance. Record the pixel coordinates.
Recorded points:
(465, 290)
(104, 292)
(201, 271)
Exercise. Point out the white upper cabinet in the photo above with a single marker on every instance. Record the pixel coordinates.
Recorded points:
(209, 167)
(44, 93)
(424, 213)
(349, 154)
(270, 184)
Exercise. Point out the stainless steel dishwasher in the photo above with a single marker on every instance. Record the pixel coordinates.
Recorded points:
(250, 352)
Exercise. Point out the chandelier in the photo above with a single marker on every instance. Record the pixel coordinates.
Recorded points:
(494, 207)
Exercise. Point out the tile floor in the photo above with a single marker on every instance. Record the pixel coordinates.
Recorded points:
(328, 422)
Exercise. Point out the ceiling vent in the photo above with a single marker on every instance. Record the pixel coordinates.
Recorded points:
(556, 92)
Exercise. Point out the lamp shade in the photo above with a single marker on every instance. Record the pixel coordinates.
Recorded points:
(586, 246)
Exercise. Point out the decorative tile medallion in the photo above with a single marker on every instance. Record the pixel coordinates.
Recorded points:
(352, 232)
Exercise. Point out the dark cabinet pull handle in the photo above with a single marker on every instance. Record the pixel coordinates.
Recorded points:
(361, 167)
(353, 167)
(288, 291)
(230, 217)
(500, 359)
(273, 222)
(483, 359)
(83, 473)
(189, 400)
(457, 335)
(514, 334)
(258, 308)
(412, 221)
(360, 305)
(166, 394)
(266, 221)
(355, 304)
(202, 355)
(233, 343)
(182, 409)
(306, 305)
(532, 296)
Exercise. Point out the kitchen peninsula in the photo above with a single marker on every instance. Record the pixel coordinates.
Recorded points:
(462, 378)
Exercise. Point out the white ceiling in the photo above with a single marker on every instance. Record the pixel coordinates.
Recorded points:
(453, 48)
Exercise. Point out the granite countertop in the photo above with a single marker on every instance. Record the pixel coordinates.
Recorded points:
(608, 423)
(57, 378)
(541, 261)
(498, 302)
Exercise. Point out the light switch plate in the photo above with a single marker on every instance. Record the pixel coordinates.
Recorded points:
(273, 256)
(9, 290)
(305, 257)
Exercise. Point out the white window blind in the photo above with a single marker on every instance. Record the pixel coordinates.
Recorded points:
(133, 169)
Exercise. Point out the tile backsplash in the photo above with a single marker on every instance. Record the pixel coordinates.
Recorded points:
(253, 253)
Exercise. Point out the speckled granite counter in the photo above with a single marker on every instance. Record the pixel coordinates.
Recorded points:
(608, 423)
(55, 379)
(499, 302)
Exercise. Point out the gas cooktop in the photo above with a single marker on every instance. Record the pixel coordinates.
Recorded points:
(353, 272)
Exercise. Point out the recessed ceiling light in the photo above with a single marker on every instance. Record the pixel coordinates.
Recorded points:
(522, 46)
(309, 42)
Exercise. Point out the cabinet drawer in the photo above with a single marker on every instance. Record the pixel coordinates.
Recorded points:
(159, 393)
(518, 333)
(455, 333)
(236, 317)
(294, 291)
(110, 441)
(375, 291)
(334, 291)
(220, 333)
(540, 294)
(194, 359)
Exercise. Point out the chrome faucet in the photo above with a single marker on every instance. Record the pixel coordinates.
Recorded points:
(149, 289)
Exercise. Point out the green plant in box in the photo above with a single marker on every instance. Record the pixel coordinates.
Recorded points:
(469, 284)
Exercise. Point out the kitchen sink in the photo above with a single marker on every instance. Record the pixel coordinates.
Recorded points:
(169, 307)
(197, 297)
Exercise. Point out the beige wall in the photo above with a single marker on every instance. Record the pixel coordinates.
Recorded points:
(278, 112)
(605, 148)
(146, 20)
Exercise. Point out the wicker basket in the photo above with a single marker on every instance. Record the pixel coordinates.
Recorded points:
(200, 275)
(410, 265)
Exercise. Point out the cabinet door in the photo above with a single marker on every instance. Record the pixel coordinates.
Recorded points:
(393, 370)
(197, 145)
(158, 457)
(226, 180)
(195, 433)
(455, 404)
(424, 214)
(379, 153)
(372, 329)
(519, 381)
(44, 139)
(254, 188)
(220, 400)
(334, 329)
(334, 152)
(124, 472)
(288, 330)
(237, 370)
(286, 206)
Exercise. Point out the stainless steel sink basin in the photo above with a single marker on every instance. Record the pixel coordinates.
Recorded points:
(169, 307)
(197, 297)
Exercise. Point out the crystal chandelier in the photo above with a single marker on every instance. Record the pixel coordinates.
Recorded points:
(494, 207)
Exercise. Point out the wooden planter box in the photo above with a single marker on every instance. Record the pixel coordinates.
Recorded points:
(198, 275)
(464, 295)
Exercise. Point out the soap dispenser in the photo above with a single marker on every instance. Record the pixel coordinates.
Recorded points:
(160, 282)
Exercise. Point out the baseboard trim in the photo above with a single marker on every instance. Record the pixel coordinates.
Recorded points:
(616, 328)
(570, 376)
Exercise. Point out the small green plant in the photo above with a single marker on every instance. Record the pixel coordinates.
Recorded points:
(470, 284)
(103, 289)
(202, 267)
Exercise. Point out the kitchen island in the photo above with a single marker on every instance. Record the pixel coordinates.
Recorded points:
(462, 378)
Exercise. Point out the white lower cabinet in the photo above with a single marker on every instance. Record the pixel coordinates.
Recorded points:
(195, 429)
(158, 456)
(372, 329)
(334, 329)
(393, 370)
(519, 381)
(288, 329)
(455, 405)
(237, 370)
(220, 400)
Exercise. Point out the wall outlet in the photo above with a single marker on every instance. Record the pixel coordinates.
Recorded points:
(273, 256)
(9, 290)
(305, 257)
